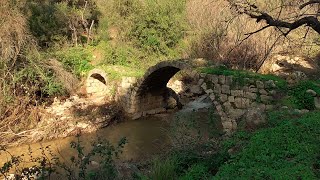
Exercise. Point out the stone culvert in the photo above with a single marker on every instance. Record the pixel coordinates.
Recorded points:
(96, 83)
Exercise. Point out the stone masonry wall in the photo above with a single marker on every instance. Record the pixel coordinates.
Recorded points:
(232, 98)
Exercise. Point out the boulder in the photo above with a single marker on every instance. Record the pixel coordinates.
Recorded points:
(255, 117)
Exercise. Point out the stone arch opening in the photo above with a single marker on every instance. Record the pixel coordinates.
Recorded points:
(144, 96)
(153, 94)
(96, 83)
(99, 78)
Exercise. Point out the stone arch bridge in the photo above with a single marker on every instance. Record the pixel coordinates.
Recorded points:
(146, 95)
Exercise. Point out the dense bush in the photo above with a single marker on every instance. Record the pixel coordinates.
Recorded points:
(75, 59)
(299, 96)
(58, 22)
(159, 26)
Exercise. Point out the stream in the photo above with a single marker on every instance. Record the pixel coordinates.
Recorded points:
(146, 136)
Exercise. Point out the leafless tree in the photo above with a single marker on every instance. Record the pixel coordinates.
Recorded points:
(305, 13)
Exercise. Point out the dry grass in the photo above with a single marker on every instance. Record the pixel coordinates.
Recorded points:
(218, 34)
(69, 80)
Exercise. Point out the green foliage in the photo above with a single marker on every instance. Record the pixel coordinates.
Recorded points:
(45, 25)
(196, 172)
(54, 23)
(159, 26)
(75, 59)
(287, 151)
(300, 98)
(240, 75)
(123, 55)
(163, 169)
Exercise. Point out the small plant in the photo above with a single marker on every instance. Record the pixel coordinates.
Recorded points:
(300, 97)
(49, 164)
(75, 59)
(163, 169)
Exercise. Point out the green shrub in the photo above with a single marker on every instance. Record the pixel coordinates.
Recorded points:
(75, 59)
(196, 172)
(159, 26)
(163, 169)
(287, 151)
(300, 97)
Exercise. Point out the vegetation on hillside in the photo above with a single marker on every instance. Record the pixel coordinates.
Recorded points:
(48, 46)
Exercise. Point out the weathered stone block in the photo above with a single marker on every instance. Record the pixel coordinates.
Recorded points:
(245, 89)
(270, 84)
(200, 81)
(227, 125)
(231, 98)
(250, 95)
(317, 102)
(225, 89)
(311, 92)
(219, 108)
(222, 79)
(195, 89)
(237, 93)
(253, 89)
(236, 113)
(241, 103)
(209, 91)
(204, 86)
(263, 92)
(137, 115)
(260, 84)
(212, 97)
(229, 80)
(217, 89)
(213, 78)
(227, 106)
(223, 98)
(265, 98)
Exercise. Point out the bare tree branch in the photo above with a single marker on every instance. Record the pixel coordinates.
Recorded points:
(309, 3)
(253, 11)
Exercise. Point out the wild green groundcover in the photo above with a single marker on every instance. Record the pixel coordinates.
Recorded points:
(287, 151)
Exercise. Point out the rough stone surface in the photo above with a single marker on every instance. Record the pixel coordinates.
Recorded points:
(223, 98)
(217, 88)
(260, 84)
(317, 102)
(265, 98)
(225, 89)
(263, 92)
(231, 98)
(241, 103)
(222, 79)
(250, 95)
(312, 92)
(195, 89)
(255, 117)
(270, 84)
(229, 80)
(237, 93)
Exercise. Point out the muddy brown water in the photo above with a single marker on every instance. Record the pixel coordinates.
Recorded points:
(146, 137)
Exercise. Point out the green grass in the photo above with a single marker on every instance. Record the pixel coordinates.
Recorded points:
(287, 151)
(239, 75)
(116, 72)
